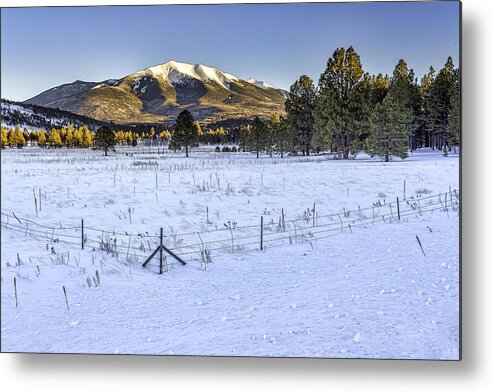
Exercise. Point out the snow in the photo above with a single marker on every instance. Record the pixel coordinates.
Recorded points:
(175, 72)
(367, 292)
(112, 82)
(261, 84)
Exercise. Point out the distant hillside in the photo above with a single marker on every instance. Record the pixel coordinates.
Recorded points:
(34, 116)
(158, 94)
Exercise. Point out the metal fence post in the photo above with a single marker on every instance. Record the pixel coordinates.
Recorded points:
(82, 232)
(261, 233)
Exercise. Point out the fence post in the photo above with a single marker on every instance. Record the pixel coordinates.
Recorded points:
(261, 233)
(398, 210)
(161, 252)
(82, 233)
(313, 214)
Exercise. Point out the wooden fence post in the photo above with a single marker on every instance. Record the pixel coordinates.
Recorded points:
(261, 233)
(82, 233)
(313, 214)
(398, 210)
(161, 252)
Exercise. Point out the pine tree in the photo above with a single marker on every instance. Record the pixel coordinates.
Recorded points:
(165, 135)
(42, 138)
(281, 136)
(199, 128)
(104, 139)
(400, 86)
(25, 135)
(258, 137)
(389, 129)
(11, 138)
(185, 133)
(299, 108)
(55, 140)
(18, 140)
(69, 136)
(423, 128)
(87, 138)
(78, 137)
(405, 93)
(440, 105)
(380, 88)
(340, 108)
(4, 141)
(33, 137)
(454, 115)
(244, 135)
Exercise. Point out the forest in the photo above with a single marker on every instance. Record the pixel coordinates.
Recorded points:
(346, 112)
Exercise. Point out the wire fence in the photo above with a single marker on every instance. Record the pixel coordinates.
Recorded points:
(233, 238)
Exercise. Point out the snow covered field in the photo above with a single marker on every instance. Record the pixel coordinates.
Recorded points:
(368, 290)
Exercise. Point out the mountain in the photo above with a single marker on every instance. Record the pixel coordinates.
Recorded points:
(158, 94)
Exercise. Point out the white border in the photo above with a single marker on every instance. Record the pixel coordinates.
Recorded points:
(116, 373)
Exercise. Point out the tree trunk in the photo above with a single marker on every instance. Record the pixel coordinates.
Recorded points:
(186, 150)
(345, 154)
(105, 151)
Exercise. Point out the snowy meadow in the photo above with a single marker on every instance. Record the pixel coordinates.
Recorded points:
(301, 256)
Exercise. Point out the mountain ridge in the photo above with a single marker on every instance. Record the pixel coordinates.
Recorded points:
(157, 94)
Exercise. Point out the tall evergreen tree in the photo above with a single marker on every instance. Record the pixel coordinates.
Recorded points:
(389, 123)
(281, 135)
(400, 85)
(299, 108)
(55, 140)
(414, 137)
(185, 133)
(18, 139)
(454, 115)
(11, 138)
(42, 138)
(257, 139)
(4, 140)
(405, 93)
(340, 112)
(380, 87)
(440, 105)
(104, 139)
(69, 137)
(423, 128)
(87, 138)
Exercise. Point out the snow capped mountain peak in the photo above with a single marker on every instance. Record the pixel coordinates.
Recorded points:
(175, 72)
(261, 84)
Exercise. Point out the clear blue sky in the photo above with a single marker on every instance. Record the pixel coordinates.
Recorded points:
(45, 47)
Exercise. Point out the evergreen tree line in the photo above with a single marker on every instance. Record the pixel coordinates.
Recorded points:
(350, 110)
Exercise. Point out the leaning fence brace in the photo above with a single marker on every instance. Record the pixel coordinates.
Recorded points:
(160, 249)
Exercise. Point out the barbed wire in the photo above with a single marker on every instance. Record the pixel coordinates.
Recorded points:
(306, 233)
